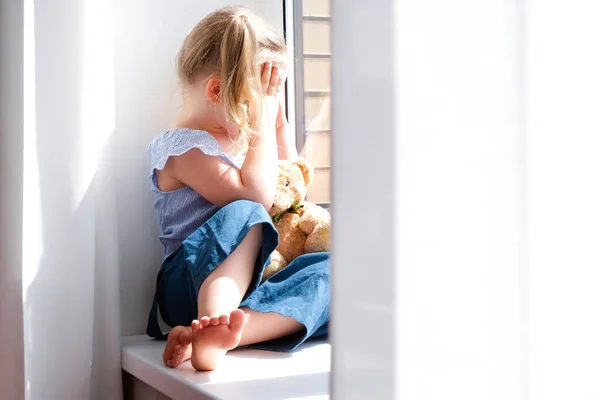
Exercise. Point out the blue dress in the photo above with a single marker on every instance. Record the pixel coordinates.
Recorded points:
(198, 236)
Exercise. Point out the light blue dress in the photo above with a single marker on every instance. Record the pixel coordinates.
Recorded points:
(197, 236)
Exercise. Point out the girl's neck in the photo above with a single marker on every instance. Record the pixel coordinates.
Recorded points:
(203, 118)
(197, 118)
(200, 116)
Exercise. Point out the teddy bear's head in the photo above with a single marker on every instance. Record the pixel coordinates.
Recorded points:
(292, 183)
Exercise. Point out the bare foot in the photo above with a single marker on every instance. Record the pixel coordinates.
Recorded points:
(178, 348)
(213, 337)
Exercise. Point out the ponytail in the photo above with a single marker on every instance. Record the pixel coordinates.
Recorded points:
(240, 82)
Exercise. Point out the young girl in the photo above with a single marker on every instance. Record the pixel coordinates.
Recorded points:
(214, 177)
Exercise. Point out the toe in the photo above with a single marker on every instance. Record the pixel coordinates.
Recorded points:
(186, 337)
(178, 349)
(237, 319)
(196, 325)
(224, 320)
(205, 321)
(214, 321)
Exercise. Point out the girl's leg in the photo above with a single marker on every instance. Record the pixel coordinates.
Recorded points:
(222, 326)
(218, 299)
(267, 326)
(259, 327)
(220, 293)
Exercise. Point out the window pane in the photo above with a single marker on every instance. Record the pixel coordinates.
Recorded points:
(313, 104)
(317, 74)
(319, 190)
(315, 8)
(317, 148)
(316, 37)
(317, 111)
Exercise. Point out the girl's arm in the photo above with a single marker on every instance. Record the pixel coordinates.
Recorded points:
(285, 140)
(220, 183)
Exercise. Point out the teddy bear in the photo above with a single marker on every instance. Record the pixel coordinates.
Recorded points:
(303, 226)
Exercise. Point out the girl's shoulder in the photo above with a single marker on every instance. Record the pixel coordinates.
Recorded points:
(175, 142)
(184, 139)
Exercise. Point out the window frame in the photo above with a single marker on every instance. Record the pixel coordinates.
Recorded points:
(292, 30)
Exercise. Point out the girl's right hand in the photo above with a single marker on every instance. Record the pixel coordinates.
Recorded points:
(269, 80)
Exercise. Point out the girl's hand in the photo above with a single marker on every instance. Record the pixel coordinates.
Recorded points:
(270, 79)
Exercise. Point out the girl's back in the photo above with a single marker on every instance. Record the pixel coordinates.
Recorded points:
(181, 211)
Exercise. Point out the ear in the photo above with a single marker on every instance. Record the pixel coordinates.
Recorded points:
(307, 169)
(212, 89)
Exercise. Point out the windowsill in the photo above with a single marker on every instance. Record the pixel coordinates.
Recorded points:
(243, 374)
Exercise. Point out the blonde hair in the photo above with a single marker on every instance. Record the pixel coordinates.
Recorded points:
(233, 44)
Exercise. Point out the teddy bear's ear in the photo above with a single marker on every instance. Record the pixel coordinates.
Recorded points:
(307, 169)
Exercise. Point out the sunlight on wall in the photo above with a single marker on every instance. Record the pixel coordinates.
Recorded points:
(97, 117)
(32, 208)
(97, 121)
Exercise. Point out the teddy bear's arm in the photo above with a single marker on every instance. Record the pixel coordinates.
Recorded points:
(315, 222)
(311, 216)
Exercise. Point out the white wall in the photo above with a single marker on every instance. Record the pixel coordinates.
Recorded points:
(426, 288)
(363, 331)
(12, 383)
(472, 272)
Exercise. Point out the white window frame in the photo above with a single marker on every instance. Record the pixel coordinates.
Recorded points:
(292, 22)
(296, 95)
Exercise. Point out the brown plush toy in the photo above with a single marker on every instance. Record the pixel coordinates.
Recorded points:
(303, 226)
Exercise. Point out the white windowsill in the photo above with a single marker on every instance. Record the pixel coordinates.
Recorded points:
(243, 374)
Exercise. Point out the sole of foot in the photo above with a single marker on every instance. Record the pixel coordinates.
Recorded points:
(212, 337)
(178, 348)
